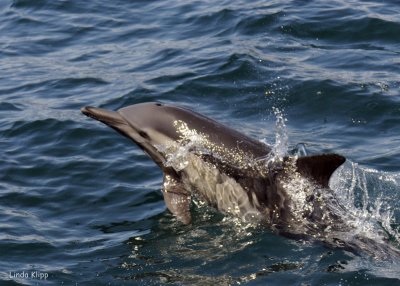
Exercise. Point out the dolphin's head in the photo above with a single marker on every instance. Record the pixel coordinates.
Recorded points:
(147, 124)
(153, 125)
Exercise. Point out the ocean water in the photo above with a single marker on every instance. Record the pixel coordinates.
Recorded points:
(80, 205)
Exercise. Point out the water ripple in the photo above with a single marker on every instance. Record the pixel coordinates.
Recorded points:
(85, 205)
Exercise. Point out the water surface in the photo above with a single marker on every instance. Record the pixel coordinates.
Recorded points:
(82, 204)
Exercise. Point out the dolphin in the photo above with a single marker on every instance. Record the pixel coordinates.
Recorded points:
(205, 160)
(211, 163)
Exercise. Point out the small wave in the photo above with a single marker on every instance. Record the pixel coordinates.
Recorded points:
(7, 106)
(343, 24)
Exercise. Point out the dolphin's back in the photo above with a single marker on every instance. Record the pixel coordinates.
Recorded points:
(167, 118)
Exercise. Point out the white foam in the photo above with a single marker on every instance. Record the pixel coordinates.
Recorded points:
(368, 198)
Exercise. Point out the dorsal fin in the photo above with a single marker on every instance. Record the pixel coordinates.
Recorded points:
(319, 167)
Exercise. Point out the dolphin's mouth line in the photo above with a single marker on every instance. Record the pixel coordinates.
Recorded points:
(110, 118)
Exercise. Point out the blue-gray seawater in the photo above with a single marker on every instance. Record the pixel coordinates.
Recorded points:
(81, 205)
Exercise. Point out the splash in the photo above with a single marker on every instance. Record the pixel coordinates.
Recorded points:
(280, 148)
(193, 142)
(177, 153)
(369, 200)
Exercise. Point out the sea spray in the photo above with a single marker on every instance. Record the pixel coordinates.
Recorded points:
(280, 148)
(368, 200)
(281, 145)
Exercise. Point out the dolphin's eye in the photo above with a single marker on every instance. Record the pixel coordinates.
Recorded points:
(144, 135)
(159, 104)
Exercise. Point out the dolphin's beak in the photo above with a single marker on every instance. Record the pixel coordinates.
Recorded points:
(115, 120)
(111, 118)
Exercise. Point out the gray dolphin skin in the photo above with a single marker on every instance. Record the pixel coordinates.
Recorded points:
(224, 167)
(204, 160)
